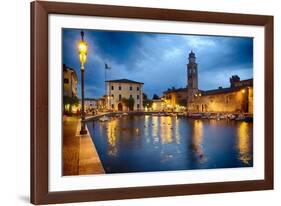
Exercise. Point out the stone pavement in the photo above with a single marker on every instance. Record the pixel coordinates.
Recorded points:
(79, 153)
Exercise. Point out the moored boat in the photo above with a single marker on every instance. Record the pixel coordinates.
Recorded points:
(240, 117)
(104, 118)
(194, 115)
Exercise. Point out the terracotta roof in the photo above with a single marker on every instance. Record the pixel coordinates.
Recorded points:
(175, 90)
(222, 90)
(124, 81)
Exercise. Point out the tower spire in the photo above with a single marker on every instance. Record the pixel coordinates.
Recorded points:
(192, 76)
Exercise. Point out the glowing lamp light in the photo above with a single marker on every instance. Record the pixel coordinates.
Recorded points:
(243, 91)
(83, 49)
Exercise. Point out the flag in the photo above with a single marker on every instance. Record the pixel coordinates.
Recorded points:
(106, 66)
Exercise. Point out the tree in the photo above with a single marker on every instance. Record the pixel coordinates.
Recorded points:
(155, 96)
(146, 102)
(144, 96)
(69, 102)
(129, 103)
(124, 101)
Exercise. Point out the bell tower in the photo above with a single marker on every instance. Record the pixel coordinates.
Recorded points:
(192, 76)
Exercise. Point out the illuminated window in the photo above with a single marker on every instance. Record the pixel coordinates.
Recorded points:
(66, 81)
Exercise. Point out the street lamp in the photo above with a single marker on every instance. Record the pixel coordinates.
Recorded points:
(82, 48)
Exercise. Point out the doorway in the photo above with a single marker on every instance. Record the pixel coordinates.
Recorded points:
(120, 107)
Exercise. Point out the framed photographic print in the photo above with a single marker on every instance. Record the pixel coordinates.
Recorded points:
(133, 102)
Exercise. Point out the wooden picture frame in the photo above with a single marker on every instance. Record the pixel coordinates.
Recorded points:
(40, 193)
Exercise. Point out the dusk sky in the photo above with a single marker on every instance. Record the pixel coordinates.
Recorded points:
(157, 60)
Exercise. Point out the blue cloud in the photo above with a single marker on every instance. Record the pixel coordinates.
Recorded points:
(158, 60)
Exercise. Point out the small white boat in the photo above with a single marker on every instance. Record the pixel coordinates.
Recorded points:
(103, 118)
(223, 116)
(125, 114)
(118, 115)
(205, 116)
(195, 115)
(231, 116)
(240, 117)
(181, 114)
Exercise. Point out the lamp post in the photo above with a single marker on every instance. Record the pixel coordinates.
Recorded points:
(83, 48)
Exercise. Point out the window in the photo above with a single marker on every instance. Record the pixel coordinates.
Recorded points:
(227, 99)
(65, 81)
(120, 97)
(112, 87)
(120, 88)
(112, 106)
(131, 88)
(131, 96)
(138, 96)
(138, 106)
(138, 89)
(112, 96)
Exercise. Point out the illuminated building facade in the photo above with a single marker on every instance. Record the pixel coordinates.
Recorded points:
(175, 99)
(118, 90)
(70, 81)
(158, 105)
(238, 98)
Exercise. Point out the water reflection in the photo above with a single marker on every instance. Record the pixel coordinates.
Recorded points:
(244, 142)
(166, 129)
(155, 130)
(153, 143)
(111, 137)
(196, 145)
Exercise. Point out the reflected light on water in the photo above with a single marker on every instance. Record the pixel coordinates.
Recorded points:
(111, 137)
(146, 129)
(197, 140)
(177, 132)
(145, 143)
(244, 143)
(166, 128)
(155, 129)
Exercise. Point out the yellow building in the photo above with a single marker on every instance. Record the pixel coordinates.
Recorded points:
(238, 98)
(120, 89)
(158, 105)
(70, 81)
(175, 99)
(224, 100)
(89, 103)
(70, 94)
